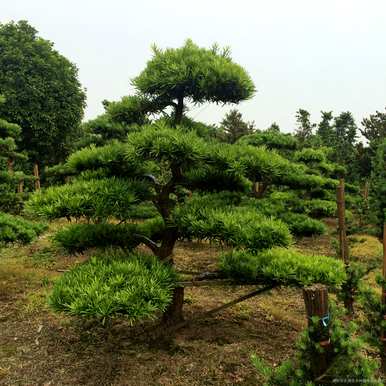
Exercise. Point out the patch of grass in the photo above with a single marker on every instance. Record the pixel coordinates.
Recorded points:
(7, 350)
(366, 248)
(35, 302)
(43, 258)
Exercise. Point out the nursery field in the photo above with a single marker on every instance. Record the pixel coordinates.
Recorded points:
(40, 347)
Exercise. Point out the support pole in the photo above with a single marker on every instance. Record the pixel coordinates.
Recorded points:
(316, 303)
(340, 200)
(20, 186)
(383, 336)
(37, 176)
(343, 246)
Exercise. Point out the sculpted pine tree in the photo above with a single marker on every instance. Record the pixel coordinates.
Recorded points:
(165, 184)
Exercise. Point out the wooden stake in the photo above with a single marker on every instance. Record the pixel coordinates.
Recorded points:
(10, 164)
(343, 246)
(383, 336)
(20, 186)
(37, 176)
(316, 303)
(340, 200)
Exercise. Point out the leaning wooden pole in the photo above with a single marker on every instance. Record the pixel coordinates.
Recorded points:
(37, 176)
(383, 337)
(343, 244)
(341, 204)
(316, 303)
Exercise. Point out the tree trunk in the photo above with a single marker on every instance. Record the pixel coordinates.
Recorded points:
(20, 186)
(10, 164)
(259, 189)
(316, 303)
(37, 176)
(174, 312)
(179, 111)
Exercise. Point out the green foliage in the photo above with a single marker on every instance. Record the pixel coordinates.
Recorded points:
(96, 200)
(14, 229)
(197, 73)
(130, 110)
(132, 286)
(235, 226)
(233, 127)
(283, 266)
(378, 191)
(302, 225)
(374, 129)
(42, 91)
(192, 73)
(373, 324)
(79, 237)
(305, 128)
(9, 135)
(271, 140)
(109, 157)
(349, 360)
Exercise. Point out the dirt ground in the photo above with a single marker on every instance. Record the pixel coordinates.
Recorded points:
(38, 347)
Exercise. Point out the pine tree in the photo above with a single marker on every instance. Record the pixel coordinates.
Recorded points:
(234, 127)
(166, 183)
(305, 128)
(325, 130)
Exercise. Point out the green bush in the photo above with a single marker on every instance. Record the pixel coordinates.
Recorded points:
(234, 227)
(349, 359)
(302, 225)
(79, 237)
(283, 266)
(116, 285)
(95, 200)
(270, 139)
(16, 229)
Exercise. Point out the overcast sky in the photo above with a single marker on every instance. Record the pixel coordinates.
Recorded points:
(317, 55)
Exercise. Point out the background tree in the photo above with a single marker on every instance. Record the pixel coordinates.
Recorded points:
(9, 178)
(325, 130)
(374, 128)
(175, 76)
(274, 127)
(234, 127)
(42, 90)
(345, 131)
(305, 128)
(12, 228)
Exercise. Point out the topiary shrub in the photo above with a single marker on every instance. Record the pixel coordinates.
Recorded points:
(302, 225)
(115, 285)
(79, 237)
(283, 266)
(14, 229)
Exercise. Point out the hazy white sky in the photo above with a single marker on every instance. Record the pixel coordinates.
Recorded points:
(317, 55)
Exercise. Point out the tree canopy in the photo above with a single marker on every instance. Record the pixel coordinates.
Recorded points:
(43, 93)
(190, 73)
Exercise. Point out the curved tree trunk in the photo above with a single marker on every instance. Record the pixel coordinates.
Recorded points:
(179, 111)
